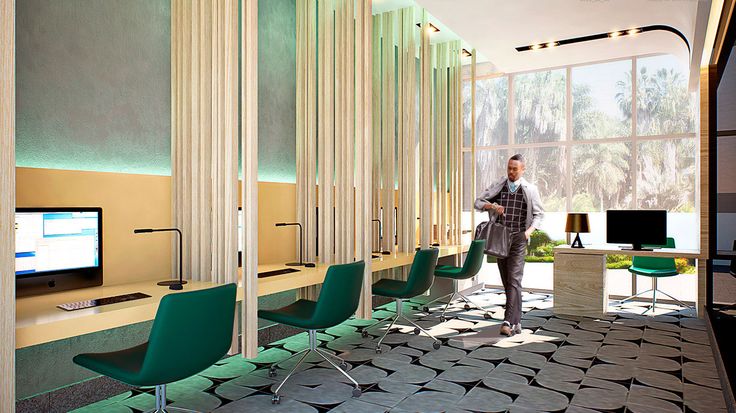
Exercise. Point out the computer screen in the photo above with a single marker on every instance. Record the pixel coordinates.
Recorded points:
(56, 240)
(636, 227)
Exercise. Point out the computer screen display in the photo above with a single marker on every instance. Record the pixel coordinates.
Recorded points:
(56, 240)
(636, 227)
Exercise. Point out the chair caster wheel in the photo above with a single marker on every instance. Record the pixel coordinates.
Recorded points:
(275, 399)
(378, 350)
(466, 307)
(425, 309)
(486, 316)
(272, 372)
(343, 365)
(364, 333)
(417, 330)
(443, 319)
(436, 345)
(357, 392)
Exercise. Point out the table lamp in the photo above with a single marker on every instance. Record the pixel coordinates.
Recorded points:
(301, 249)
(173, 284)
(577, 223)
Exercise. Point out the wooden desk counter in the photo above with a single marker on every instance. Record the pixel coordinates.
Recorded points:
(39, 321)
(579, 283)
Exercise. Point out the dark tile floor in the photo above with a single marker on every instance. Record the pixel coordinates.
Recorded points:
(624, 362)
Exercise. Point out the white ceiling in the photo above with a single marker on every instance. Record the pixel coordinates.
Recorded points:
(496, 27)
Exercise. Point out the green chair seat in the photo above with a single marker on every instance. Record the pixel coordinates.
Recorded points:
(448, 271)
(298, 314)
(649, 272)
(390, 288)
(124, 365)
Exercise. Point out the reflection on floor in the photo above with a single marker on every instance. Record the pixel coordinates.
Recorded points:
(624, 363)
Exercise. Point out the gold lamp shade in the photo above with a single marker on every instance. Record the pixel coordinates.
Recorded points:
(577, 222)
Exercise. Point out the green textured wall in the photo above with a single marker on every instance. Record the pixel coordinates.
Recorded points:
(94, 86)
(277, 90)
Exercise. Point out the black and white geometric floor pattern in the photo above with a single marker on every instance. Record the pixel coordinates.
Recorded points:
(624, 362)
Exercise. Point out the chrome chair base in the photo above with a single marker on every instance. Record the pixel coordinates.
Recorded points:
(417, 328)
(452, 295)
(276, 398)
(654, 292)
(161, 406)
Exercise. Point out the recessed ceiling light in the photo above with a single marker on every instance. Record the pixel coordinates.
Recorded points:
(613, 34)
(466, 53)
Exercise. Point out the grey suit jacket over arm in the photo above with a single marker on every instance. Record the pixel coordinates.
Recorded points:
(535, 208)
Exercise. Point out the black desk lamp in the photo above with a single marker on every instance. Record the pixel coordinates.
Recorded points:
(380, 238)
(173, 284)
(301, 250)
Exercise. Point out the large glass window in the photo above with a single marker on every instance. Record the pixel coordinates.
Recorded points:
(663, 106)
(539, 106)
(602, 150)
(601, 100)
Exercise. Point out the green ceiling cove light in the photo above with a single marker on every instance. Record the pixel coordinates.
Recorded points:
(614, 34)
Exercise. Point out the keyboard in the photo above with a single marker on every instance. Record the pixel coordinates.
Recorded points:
(78, 305)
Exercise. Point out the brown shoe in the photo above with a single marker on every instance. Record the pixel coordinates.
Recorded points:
(506, 330)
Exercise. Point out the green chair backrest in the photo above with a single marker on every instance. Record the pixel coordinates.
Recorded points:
(421, 275)
(340, 294)
(656, 263)
(192, 330)
(474, 258)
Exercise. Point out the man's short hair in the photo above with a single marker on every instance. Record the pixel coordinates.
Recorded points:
(517, 157)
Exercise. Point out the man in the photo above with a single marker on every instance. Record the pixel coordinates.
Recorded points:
(517, 205)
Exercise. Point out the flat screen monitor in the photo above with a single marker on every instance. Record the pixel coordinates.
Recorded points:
(57, 249)
(636, 227)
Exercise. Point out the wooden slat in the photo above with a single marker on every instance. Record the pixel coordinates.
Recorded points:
(388, 134)
(410, 199)
(425, 183)
(708, 127)
(310, 232)
(7, 205)
(339, 130)
(249, 148)
(473, 178)
(377, 127)
(364, 146)
(350, 108)
(328, 164)
(401, 127)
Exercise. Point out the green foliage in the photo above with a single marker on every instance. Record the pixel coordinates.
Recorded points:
(532, 258)
(685, 266)
(619, 265)
(611, 258)
(538, 239)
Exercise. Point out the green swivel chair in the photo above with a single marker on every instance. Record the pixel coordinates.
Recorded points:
(421, 277)
(655, 267)
(191, 331)
(338, 300)
(471, 266)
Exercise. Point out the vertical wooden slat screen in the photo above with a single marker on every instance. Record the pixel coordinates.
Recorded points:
(7, 205)
(204, 139)
(388, 129)
(326, 130)
(377, 127)
(249, 155)
(425, 171)
(364, 146)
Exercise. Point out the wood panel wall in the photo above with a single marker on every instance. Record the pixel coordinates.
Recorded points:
(7, 205)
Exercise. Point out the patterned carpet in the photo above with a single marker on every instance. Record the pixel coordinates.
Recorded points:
(622, 363)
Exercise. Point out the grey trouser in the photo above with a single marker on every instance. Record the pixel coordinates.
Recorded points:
(512, 269)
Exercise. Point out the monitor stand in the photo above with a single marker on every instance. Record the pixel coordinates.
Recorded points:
(636, 247)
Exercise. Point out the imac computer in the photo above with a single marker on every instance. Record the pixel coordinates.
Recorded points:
(57, 249)
(636, 227)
